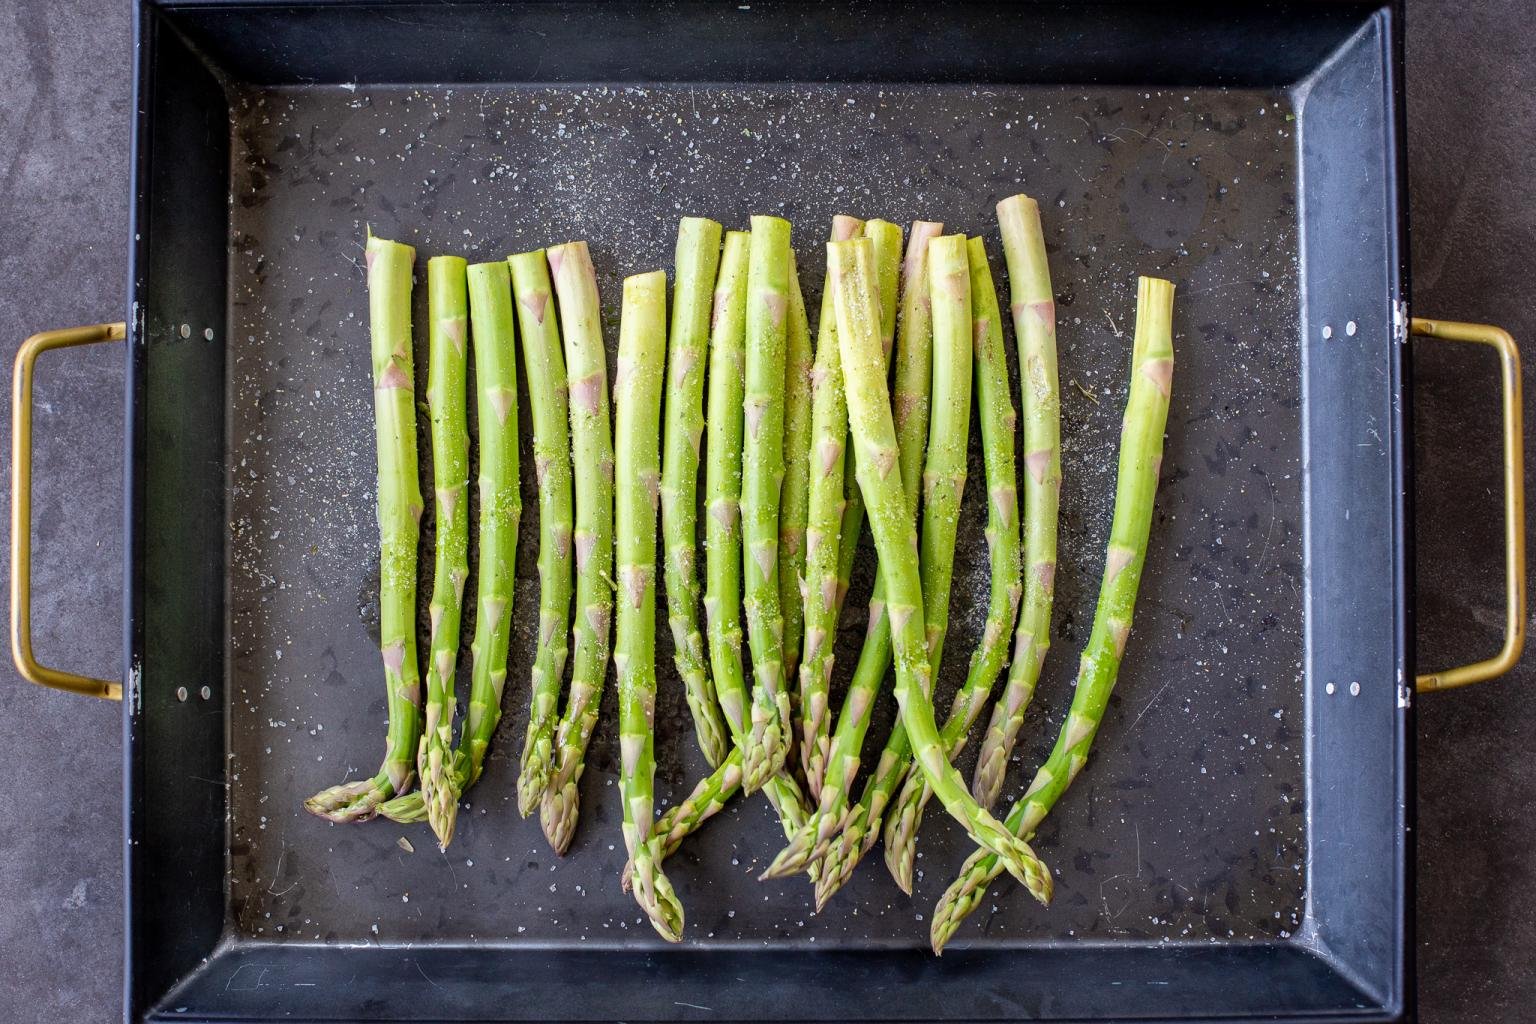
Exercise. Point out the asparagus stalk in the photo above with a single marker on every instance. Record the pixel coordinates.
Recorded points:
(762, 473)
(1034, 323)
(637, 480)
(886, 239)
(874, 434)
(592, 446)
(825, 501)
(544, 364)
(495, 343)
(998, 422)
(944, 474)
(400, 507)
(723, 536)
(1141, 457)
(698, 259)
(794, 495)
(448, 310)
(913, 357)
(722, 482)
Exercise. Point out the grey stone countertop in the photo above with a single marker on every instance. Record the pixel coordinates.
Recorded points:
(65, 119)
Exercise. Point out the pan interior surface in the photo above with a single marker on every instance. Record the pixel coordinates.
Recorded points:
(1188, 824)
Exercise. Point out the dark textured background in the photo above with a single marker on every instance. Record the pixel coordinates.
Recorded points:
(63, 218)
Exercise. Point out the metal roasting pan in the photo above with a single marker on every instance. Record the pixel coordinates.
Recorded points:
(1239, 847)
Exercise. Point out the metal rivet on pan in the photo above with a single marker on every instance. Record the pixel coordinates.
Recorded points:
(1350, 328)
(1328, 689)
(1327, 332)
(208, 333)
(186, 330)
(205, 693)
(1354, 689)
(181, 693)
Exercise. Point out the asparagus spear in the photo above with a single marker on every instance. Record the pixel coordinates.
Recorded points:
(874, 434)
(448, 306)
(886, 239)
(998, 421)
(637, 457)
(762, 473)
(495, 343)
(1034, 324)
(944, 475)
(912, 383)
(794, 495)
(544, 364)
(825, 501)
(698, 258)
(722, 537)
(592, 446)
(1141, 457)
(399, 498)
(722, 482)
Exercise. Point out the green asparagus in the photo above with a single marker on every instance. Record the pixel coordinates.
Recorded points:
(637, 413)
(544, 365)
(447, 368)
(400, 507)
(722, 482)
(592, 446)
(1034, 320)
(1141, 456)
(886, 239)
(824, 513)
(762, 473)
(794, 494)
(698, 259)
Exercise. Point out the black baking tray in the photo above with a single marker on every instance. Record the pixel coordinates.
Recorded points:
(1238, 849)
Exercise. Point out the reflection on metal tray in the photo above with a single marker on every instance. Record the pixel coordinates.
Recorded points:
(1236, 847)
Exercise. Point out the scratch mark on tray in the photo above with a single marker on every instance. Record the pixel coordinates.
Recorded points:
(1264, 553)
(278, 870)
(694, 1006)
(1134, 724)
(424, 974)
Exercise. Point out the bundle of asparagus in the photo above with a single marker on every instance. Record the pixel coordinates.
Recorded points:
(807, 438)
